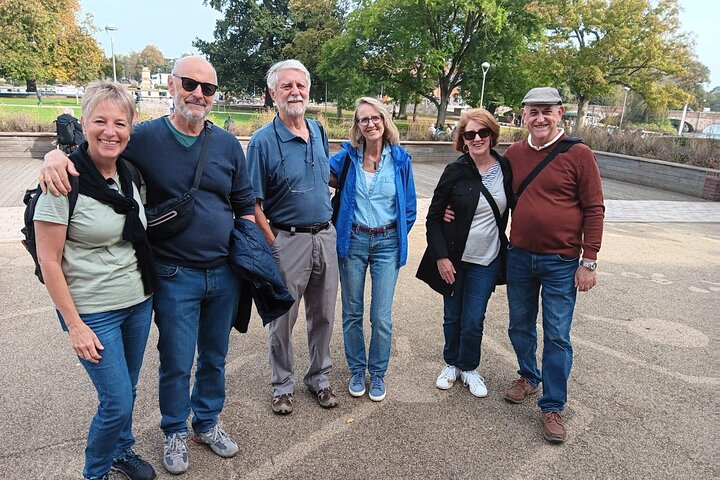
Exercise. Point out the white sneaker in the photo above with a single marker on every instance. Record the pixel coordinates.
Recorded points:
(475, 382)
(447, 377)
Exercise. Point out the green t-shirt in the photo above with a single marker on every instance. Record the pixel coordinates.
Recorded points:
(100, 267)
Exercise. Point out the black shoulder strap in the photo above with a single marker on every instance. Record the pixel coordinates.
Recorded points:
(73, 195)
(201, 160)
(324, 137)
(343, 174)
(496, 211)
(563, 146)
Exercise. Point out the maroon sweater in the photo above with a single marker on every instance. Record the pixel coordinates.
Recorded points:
(561, 210)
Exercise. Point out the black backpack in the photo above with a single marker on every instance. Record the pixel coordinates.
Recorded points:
(65, 130)
(30, 200)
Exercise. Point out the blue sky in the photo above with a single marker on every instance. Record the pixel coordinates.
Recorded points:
(172, 25)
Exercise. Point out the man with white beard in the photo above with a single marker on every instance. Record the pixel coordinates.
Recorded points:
(289, 171)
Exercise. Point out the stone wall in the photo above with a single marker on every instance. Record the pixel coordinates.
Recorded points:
(695, 181)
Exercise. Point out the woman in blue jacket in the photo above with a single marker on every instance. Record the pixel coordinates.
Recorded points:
(377, 210)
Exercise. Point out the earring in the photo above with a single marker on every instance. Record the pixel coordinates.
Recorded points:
(465, 149)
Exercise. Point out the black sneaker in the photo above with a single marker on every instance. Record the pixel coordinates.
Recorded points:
(133, 466)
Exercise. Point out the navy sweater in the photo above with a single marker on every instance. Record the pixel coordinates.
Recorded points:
(224, 192)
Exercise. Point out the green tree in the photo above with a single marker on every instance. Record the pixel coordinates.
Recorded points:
(434, 48)
(594, 45)
(713, 100)
(43, 40)
(314, 23)
(248, 40)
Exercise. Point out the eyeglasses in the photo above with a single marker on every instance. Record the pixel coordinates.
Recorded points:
(470, 134)
(308, 146)
(189, 85)
(365, 121)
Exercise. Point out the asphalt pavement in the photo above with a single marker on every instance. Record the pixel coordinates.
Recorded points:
(642, 392)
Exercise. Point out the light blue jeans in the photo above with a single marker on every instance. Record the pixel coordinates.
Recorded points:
(193, 308)
(550, 277)
(379, 252)
(123, 333)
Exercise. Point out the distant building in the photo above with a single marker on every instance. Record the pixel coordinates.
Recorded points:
(160, 79)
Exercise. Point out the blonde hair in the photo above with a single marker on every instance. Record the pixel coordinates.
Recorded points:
(391, 135)
(481, 116)
(100, 91)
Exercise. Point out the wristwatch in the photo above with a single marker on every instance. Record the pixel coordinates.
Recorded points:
(589, 265)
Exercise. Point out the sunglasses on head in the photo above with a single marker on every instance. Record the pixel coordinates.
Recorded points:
(470, 134)
(189, 85)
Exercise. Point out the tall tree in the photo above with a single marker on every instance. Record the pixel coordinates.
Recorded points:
(433, 47)
(43, 40)
(248, 40)
(314, 23)
(596, 44)
(152, 58)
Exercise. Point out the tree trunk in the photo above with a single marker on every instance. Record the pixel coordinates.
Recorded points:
(338, 112)
(442, 110)
(414, 111)
(31, 85)
(402, 109)
(582, 108)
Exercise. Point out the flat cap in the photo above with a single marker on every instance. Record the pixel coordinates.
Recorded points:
(542, 96)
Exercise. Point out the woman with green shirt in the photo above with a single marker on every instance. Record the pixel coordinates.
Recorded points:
(98, 268)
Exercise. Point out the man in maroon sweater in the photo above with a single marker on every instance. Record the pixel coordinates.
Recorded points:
(557, 221)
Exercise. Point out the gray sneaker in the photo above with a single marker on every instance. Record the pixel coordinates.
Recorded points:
(219, 441)
(175, 455)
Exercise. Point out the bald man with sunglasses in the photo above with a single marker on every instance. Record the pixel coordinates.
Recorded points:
(198, 296)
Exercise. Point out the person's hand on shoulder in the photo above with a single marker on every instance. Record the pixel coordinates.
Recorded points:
(54, 173)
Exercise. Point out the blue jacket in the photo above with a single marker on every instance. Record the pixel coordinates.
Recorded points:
(405, 197)
(252, 259)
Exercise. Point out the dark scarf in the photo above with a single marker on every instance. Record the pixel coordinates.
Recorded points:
(94, 185)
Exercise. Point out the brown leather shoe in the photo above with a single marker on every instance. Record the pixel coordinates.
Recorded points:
(519, 391)
(283, 404)
(553, 429)
(326, 398)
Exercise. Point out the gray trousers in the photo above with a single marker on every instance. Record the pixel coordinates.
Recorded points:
(308, 265)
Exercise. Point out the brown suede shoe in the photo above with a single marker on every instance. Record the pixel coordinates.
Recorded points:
(553, 429)
(519, 391)
(283, 404)
(326, 398)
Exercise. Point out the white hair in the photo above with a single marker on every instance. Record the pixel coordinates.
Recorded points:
(292, 64)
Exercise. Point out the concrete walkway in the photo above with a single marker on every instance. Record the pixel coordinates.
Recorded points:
(641, 395)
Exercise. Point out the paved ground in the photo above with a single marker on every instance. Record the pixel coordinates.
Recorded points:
(642, 393)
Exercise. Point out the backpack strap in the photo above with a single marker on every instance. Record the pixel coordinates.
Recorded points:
(563, 146)
(73, 195)
(324, 137)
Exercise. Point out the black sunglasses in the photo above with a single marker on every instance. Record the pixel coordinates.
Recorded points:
(470, 134)
(189, 85)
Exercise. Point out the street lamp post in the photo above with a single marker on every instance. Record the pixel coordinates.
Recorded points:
(485, 67)
(112, 28)
(622, 114)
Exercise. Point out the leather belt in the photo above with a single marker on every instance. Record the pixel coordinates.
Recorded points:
(313, 229)
(374, 231)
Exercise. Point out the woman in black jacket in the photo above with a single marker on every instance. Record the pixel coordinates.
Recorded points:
(465, 257)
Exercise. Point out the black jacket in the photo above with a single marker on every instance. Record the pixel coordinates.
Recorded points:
(252, 259)
(458, 186)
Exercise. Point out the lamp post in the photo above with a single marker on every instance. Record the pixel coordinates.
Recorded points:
(485, 67)
(622, 114)
(112, 28)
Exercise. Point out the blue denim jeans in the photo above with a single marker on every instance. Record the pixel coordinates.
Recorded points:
(193, 308)
(550, 277)
(379, 252)
(464, 311)
(123, 333)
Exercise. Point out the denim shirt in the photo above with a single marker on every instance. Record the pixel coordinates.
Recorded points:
(405, 198)
(375, 203)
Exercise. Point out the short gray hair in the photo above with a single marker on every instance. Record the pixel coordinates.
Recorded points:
(100, 91)
(292, 64)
